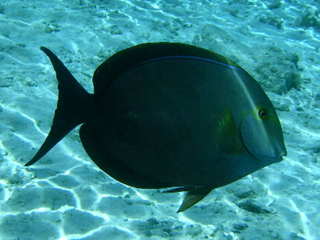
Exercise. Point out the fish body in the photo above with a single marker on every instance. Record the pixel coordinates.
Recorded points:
(169, 115)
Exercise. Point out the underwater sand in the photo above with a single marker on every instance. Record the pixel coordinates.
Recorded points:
(65, 196)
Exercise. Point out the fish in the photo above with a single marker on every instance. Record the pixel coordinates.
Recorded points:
(169, 116)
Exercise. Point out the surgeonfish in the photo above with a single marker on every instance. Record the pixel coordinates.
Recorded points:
(169, 115)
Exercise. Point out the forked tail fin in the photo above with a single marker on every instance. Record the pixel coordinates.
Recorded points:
(73, 107)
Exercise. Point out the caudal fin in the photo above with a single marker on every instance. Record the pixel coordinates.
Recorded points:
(73, 103)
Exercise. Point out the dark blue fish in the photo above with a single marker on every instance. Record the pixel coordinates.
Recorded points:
(169, 115)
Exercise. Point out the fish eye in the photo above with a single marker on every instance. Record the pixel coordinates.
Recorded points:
(262, 113)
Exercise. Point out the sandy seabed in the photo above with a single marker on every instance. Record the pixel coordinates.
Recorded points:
(65, 196)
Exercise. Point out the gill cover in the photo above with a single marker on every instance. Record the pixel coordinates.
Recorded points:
(262, 135)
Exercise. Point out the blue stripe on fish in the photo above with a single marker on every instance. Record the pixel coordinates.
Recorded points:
(192, 58)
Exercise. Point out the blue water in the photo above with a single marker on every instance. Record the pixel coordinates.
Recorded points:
(65, 196)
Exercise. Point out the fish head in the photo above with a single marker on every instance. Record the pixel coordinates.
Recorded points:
(262, 135)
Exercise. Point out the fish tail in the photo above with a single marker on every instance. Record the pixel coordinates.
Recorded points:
(73, 101)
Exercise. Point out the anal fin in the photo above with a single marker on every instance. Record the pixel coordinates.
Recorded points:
(193, 196)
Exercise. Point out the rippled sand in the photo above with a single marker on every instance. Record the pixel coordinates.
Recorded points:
(65, 196)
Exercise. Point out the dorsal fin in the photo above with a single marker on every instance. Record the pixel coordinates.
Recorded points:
(130, 57)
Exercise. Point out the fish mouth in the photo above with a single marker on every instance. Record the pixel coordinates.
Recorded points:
(280, 152)
(277, 156)
(283, 153)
